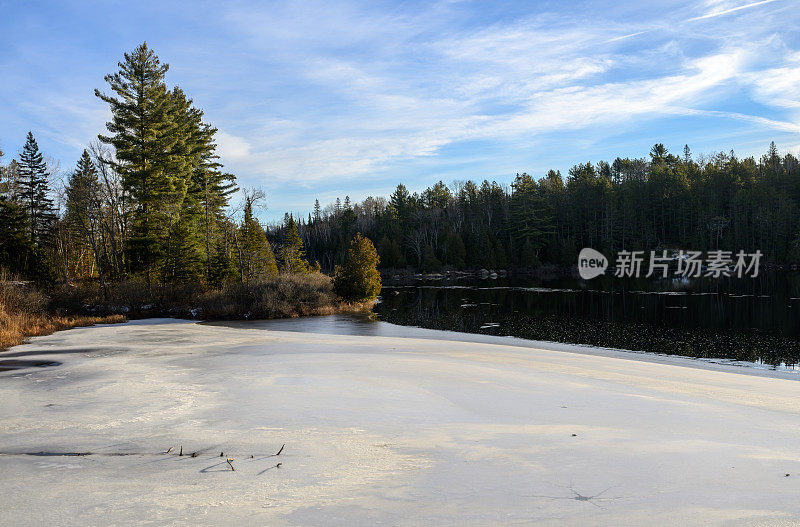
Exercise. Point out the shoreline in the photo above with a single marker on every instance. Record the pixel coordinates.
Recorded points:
(711, 364)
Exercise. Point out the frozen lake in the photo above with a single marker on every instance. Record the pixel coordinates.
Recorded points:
(385, 425)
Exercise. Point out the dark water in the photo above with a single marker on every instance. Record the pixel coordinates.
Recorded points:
(748, 319)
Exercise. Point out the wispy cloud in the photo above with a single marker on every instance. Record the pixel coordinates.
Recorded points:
(720, 12)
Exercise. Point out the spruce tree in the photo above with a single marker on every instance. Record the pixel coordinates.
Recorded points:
(83, 195)
(292, 253)
(317, 210)
(84, 213)
(390, 254)
(257, 260)
(34, 192)
(429, 261)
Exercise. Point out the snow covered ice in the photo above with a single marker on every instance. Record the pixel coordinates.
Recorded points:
(386, 430)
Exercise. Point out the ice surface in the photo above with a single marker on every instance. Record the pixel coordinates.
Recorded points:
(386, 430)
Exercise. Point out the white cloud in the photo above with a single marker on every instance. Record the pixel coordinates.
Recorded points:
(231, 148)
(502, 82)
(722, 8)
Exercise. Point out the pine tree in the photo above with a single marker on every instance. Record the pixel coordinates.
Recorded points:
(358, 280)
(34, 192)
(146, 138)
(209, 188)
(292, 253)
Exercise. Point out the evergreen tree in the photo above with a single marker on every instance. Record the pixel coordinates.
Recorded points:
(528, 257)
(165, 155)
(256, 259)
(221, 266)
(34, 192)
(17, 253)
(84, 215)
(358, 280)
(146, 137)
(83, 194)
(528, 212)
(390, 254)
(429, 261)
(455, 250)
(292, 253)
(317, 210)
(184, 254)
(209, 189)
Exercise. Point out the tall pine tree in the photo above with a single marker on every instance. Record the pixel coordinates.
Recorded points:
(146, 139)
(166, 157)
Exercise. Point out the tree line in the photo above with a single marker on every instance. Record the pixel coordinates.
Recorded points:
(149, 199)
(662, 202)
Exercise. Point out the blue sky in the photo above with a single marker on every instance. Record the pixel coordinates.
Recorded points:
(326, 99)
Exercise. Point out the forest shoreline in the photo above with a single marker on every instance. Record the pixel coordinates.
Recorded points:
(27, 312)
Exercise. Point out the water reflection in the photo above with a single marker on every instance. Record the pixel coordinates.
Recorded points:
(753, 320)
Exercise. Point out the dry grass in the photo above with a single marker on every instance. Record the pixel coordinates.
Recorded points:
(282, 296)
(15, 328)
(24, 313)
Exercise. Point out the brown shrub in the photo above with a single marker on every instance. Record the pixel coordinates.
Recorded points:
(282, 296)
